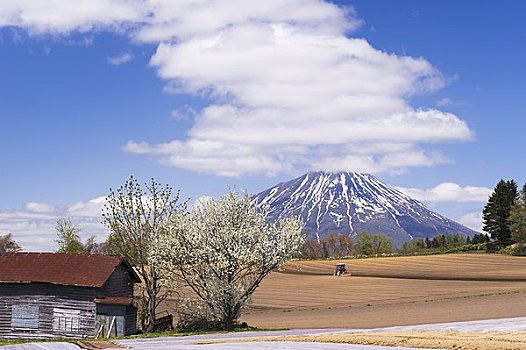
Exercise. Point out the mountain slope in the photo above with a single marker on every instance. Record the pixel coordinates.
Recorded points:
(350, 203)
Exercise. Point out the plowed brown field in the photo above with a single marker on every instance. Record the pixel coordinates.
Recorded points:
(391, 291)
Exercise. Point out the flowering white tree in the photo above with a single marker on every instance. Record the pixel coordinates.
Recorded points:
(223, 250)
(136, 217)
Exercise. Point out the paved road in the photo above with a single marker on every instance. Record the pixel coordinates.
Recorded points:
(188, 343)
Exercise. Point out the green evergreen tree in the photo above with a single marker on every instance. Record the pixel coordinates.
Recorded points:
(518, 218)
(497, 211)
(483, 238)
(479, 238)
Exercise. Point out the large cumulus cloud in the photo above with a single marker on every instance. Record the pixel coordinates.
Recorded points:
(288, 86)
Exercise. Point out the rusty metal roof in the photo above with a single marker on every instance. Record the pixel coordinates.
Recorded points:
(87, 270)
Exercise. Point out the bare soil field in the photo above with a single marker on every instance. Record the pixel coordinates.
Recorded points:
(385, 292)
(446, 266)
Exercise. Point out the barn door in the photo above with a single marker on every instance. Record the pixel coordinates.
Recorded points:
(110, 326)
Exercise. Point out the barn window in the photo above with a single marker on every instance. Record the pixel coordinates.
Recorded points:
(66, 320)
(24, 317)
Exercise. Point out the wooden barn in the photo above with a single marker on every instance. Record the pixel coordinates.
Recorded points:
(50, 295)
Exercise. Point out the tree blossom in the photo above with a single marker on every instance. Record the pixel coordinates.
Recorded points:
(223, 250)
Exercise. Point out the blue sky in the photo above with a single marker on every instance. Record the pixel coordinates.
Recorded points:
(427, 95)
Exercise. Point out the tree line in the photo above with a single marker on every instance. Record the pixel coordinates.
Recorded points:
(342, 245)
(366, 244)
(504, 217)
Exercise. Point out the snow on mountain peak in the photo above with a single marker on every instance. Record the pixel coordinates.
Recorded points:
(349, 203)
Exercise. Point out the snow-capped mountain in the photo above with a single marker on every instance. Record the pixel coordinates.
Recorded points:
(351, 203)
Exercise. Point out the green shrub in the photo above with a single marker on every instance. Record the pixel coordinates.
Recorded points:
(517, 249)
(199, 323)
(469, 248)
(492, 247)
(196, 324)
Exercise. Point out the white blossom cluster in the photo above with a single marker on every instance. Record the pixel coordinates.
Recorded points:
(223, 250)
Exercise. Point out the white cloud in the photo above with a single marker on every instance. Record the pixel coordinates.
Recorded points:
(449, 192)
(222, 158)
(22, 214)
(167, 20)
(294, 96)
(392, 162)
(472, 220)
(290, 97)
(289, 89)
(34, 227)
(36, 207)
(182, 20)
(61, 17)
(122, 58)
(91, 208)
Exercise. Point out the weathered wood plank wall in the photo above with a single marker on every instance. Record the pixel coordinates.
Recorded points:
(48, 320)
(118, 284)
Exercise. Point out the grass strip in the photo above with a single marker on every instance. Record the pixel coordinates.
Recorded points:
(451, 340)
